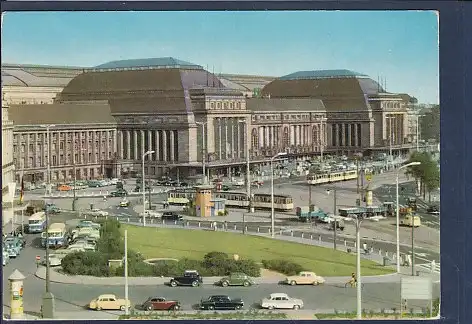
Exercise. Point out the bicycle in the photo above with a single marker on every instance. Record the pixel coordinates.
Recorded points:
(352, 284)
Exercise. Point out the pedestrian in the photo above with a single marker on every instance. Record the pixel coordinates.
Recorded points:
(215, 226)
(364, 247)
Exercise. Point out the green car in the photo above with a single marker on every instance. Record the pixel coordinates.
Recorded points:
(236, 279)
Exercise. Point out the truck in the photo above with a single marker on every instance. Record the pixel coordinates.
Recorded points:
(307, 214)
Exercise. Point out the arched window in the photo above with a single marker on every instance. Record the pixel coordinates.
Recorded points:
(286, 137)
(254, 139)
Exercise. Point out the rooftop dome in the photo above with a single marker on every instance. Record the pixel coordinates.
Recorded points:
(158, 62)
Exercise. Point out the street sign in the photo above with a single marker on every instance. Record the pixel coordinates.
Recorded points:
(38, 258)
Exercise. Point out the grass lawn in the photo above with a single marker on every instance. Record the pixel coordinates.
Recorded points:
(154, 242)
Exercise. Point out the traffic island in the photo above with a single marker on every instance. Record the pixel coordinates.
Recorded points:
(158, 242)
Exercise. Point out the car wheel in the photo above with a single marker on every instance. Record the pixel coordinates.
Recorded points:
(98, 308)
(175, 307)
(292, 283)
(270, 307)
(149, 308)
(225, 284)
(173, 283)
(246, 284)
(238, 307)
(195, 284)
(122, 307)
(295, 307)
(211, 307)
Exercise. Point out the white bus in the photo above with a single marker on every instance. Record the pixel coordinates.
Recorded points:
(57, 235)
(37, 222)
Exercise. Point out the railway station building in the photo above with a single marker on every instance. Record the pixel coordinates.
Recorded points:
(188, 116)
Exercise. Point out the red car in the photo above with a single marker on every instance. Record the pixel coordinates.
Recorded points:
(160, 303)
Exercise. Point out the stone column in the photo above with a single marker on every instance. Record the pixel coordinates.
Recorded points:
(233, 148)
(107, 144)
(164, 144)
(356, 139)
(120, 147)
(260, 129)
(157, 155)
(220, 138)
(135, 144)
(149, 136)
(238, 139)
(128, 145)
(172, 153)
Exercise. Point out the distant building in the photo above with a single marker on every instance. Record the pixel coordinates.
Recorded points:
(34, 84)
(83, 139)
(361, 115)
(8, 168)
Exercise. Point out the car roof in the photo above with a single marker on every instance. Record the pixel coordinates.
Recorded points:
(307, 272)
(107, 296)
(273, 295)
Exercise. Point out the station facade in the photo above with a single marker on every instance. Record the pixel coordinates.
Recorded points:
(190, 116)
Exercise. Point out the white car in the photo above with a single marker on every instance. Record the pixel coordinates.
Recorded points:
(98, 212)
(54, 260)
(151, 214)
(281, 301)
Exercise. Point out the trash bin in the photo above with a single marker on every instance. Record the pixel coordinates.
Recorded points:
(386, 261)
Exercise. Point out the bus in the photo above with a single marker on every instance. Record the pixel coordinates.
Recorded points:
(57, 235)
(37, 222)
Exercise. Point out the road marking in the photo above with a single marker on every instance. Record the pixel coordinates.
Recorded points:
(427, 266)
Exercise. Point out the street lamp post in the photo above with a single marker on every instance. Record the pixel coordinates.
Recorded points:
(398, 210)
(418, 132)
(272, 214)
(48, 298)
(248, 162)
(144, 186)
(334, 214)
(203, 150)
(358, 266)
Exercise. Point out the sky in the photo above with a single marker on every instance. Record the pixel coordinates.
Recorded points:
(399, 46)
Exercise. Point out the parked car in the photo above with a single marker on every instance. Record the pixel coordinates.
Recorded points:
(109, 302)
(150, 214)
(119, 193)
(221, 302)
(13, 246)
(86, 223)
(172, 216)
(304, 278)
(160, 303)
(281, 301)
(52, 209)
(189, 278)
(236, 279)
(97, 212)
(54, 260)
(5, 257)
(433, 210)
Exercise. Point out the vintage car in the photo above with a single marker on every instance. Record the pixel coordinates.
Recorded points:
(86, 224)
(281, 301)
(54, 260)
(433, 209)
(190, 278)
(124, 203)
(304, 278)
(221, 302)
(109, 302)
(150, 214)
(236, 279)
(119, 193)
(97, 212)
(13, 246)
(160, 303)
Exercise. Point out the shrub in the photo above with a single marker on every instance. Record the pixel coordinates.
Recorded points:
(283, 266)
(86, 263)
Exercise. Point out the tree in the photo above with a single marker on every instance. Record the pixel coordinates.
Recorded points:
(430, 124)
(426, 174)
